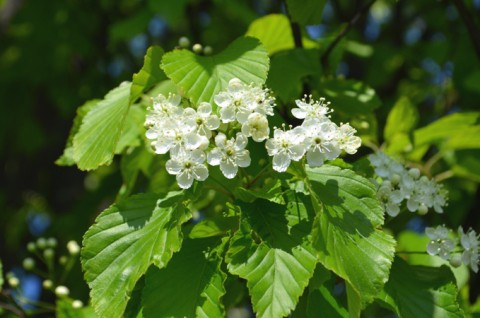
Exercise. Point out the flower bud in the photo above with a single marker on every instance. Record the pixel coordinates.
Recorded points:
(52, 242)
(13, 282)
(455, 260)
(77, 304)
(396, 179)
(47, 284)
(28, 263)
(422, 209)
(197, 48)
(414, 173)
(63, 260)
(73, 247)
(31, 247)
(48, 253)
(42, 243)
(184, 42)
(208, 50)
(61, 291)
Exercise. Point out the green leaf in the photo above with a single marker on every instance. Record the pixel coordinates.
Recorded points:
(279, 268)
(149, 75)
(64, 309)
(275, 33)
(133, 129)
(465, 163)
(192, 283)
(421, 291)
(95, 143)
(67, 158)
(134, 306)
(131, 164)
(401, 121)
(349, 96)
(213, 226)
(346, 233)
(288, 69)
(306, 12)
(125, 239)
(201, 77)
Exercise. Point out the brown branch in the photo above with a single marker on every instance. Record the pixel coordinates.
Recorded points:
(363, 10)
(473, 31)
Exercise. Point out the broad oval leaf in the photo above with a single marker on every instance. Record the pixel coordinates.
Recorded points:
(346, 232)
(191, 285)
(421, 291)
(149, 75)
(94, 144)
(201, 77)
(124, 241)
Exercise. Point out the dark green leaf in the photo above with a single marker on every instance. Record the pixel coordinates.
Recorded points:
(306, 12)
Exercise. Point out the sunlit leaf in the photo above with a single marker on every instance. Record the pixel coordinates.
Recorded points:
(401, 121)
(191, 285)
(149, 75)
(125, 240)
(201, 77)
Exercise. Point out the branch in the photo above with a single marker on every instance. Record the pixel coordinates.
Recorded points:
(363, 10)
(473, 31)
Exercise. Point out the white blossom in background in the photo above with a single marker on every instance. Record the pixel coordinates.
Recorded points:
(285, 146)
(229, 154)
(440, 243)
(187, 165)
(406, 185)
(470, 244)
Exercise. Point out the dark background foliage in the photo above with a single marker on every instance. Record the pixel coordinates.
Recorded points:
(55, 55)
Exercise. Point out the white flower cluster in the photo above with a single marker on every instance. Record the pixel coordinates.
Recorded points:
(187, 133)
(317, 137)
(400, 184)
(442, 244)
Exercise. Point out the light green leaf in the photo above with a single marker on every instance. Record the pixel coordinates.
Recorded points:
(354, 301)
(67, 158)
(349, 96)
(306, 12)
(213, 226)
(401, 121)
(201, 77)
(149, 75)
(274, 31)
(64, 309)
(133, 129)
(280, 267)
(421, 291)
(94, 144)
(346, 233)
(125, 239)
(192, 283)
(288, 69)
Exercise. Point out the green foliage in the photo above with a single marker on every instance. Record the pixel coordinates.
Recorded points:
(401, 121)
(126, 239)
(201, 77)
(66, 310)
(306, 12)
(149, 75)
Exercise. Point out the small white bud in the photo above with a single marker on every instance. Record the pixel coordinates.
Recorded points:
(31, 247)
(208, 50)
(52, 242)
(62, 291)
(414, 173)
(28, 263)
(63, 260)
(73, 247)
(184, 42)
(395, 179)
(48, 253)
(455, 260)
(77, 304)
(422, 209)
(47, 284)
(41, 243)
(197, 48)
(14, 282)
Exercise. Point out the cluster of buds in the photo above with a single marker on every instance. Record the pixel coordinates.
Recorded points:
(399, 185)
(444, 245)
(218, 136)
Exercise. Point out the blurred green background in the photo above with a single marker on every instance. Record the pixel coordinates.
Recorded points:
(56, 54)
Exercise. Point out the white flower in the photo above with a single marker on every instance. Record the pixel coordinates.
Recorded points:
(286, 146)
(256, 127)
(312, 109)
(347, 140)
(178, 133)
(203, 118)
(320, 141)
(229, 154)
(230, 100)
(390, 197)
(439, 244)
(187, 165)
(163, 108)
(470, 246)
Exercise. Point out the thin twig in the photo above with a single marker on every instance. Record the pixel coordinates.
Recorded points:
(363, 10)
(473, 31)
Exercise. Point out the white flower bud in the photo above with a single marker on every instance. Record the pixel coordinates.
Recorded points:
(197, 48)
(422, 209)
(63, 260)
(28, 263)
(184, 42)
(14, 282)
(73, 247)
(42, 243)
(31, 247)
(455, 260)
(77, 304)
(62, 291)
(52, 242)
(47, 284)
(414, 173)
(48, 253)
(208, 50)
